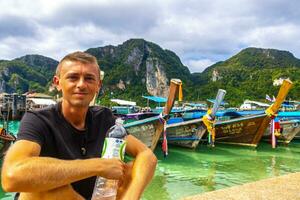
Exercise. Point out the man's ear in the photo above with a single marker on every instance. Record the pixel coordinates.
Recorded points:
(56, 83)
(100, 85)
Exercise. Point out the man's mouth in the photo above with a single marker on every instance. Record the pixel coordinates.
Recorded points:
(80, 93)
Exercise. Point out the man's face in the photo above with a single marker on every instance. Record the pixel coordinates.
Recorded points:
(78, 82)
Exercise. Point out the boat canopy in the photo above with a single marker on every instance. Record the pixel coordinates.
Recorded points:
(156, 99)
(257, 103)
(123, 102)
(195, 104)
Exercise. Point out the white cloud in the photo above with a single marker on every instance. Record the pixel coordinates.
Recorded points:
(198, 65)
(199, 31)
(284, 37)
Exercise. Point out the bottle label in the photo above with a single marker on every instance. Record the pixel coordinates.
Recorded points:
(114, 148)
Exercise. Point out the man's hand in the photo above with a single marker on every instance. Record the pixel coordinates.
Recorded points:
(112, 168)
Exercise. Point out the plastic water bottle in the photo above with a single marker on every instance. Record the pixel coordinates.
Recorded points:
(114, 147)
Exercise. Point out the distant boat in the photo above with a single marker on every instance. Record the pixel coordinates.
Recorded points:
(186, 133)
(124, 107)
(249, 130)
(289, 122)
(297, 136)
(288, 130)
(149, 130)
(5, 140)
(189, 133)
(253, 105)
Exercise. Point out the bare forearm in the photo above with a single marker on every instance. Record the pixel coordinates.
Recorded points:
(142, 173)
(42, 174)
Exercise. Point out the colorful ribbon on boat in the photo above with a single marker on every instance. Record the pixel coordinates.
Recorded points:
(209, 123)
(270, 112)
(180, 95)
(275, 131)
(277, 127)
(273, 138)
(165, 141)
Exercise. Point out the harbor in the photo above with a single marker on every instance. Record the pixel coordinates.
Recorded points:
(187, 172)
(207, 165)
(13, 106)
(202, 96)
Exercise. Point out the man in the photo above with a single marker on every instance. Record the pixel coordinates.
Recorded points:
(57, 154)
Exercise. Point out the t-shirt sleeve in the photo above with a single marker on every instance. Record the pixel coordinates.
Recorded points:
(111, 119)
(32, 128)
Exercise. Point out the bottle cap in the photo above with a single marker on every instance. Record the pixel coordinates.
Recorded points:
(117, 131)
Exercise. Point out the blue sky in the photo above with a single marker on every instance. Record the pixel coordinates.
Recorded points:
(200, 32)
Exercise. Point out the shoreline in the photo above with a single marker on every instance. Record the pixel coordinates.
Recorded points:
(277, 188)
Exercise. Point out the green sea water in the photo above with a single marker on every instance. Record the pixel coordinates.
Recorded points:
(188, 172)
(13, 128)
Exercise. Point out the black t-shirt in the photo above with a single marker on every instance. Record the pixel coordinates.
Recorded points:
(59, 139)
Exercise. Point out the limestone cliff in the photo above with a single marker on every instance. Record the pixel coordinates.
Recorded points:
(140, 63)
(156, 79)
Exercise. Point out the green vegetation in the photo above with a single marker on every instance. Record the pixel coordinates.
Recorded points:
(247, 75)
(20, 77)
(250, 75)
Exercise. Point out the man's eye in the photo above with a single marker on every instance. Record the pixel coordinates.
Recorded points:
(90, 78)
(72, 77)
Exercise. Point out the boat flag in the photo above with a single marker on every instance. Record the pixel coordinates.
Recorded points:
(268, 98)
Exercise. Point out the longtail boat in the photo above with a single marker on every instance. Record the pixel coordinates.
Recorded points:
(186, 133)
(297, 136)
(249, 130)
(5, 140)
(149, 130)
(287, 131)
(136, 116)
(189, 133)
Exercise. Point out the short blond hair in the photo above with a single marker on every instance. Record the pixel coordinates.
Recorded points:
(78, 56)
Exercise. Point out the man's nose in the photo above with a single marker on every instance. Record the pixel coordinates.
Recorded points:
(81, 83)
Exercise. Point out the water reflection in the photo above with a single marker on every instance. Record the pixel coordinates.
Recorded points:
(188, 172)
(13, 126)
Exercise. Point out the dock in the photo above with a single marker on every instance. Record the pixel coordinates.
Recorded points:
(285, 187)
(12, 106)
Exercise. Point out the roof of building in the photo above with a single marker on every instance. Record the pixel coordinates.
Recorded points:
(41, 101)
(124, 102)
(39, 95)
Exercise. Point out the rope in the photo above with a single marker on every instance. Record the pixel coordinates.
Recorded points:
(270, 112)
(209, 123)
(295, 125)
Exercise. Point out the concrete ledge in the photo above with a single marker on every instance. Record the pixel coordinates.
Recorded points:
(285, 187)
